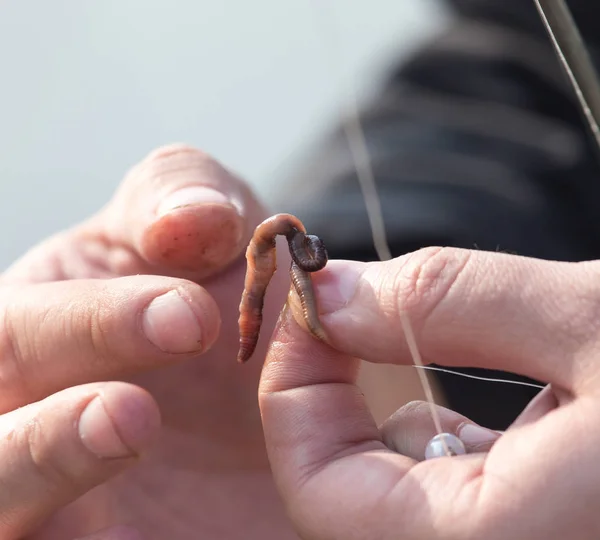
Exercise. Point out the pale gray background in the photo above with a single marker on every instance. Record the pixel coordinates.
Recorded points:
(89, 87)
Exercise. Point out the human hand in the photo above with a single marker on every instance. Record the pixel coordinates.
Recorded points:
(75, 312)
(343, 477)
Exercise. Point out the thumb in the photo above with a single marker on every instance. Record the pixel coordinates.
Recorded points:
(177, 213)
(467, 309)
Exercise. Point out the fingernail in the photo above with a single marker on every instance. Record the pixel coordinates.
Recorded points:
(191, 196)
(171, 325)
(337, 286)
(98, 433)
(476, 437)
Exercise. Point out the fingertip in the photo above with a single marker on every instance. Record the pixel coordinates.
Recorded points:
(59, 448)
(196, 237)
(476, 438)
(336, 285)
(206, 310)
(182, 320)
(121, 421)
(411, 428)
(198, 219)
(181, 209)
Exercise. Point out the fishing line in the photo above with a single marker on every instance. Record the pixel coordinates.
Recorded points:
(484, 379)
(553, 13)
(574, 58)
(355, 137)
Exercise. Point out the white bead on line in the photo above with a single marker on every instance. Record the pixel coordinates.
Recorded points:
(436, 448)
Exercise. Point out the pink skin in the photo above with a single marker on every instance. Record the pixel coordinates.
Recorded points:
(209, 452)
(344, 476)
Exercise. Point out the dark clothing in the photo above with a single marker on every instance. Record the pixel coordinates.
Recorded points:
(476, 141)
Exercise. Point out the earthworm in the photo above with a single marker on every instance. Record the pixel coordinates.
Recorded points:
(308, 255)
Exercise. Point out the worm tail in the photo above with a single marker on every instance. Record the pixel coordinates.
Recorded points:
(260, 271)
(250, 322)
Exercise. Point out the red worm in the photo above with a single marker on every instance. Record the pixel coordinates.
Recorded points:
(308, 255)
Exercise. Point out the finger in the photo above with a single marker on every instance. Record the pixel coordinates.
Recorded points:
(119, 532)
(544, 402)
(409, 429)
(292, 387)
(329, 461)
(56, 335)
(179, 208)
(55, 450)
(477, 309)
(178, 212)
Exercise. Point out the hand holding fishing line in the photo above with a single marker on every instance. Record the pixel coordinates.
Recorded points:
(342, 476)
(117, 348)
(84, 307)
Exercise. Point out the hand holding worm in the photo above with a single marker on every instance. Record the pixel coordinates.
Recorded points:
(343, 476)
(308, 255)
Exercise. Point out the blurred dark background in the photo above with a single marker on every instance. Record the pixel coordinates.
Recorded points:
(477, 142)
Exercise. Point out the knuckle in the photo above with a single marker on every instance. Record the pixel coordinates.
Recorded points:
(96, 334)
(54, 472)
(422, 280)
(411, 412)
(414, 409)
(96, 326)
(578, 304)
(16, 354)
